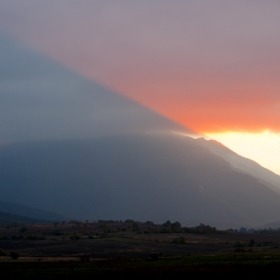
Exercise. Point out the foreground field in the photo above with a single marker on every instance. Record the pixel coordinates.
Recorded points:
(131, 240)
(223, 265)
(107, 248)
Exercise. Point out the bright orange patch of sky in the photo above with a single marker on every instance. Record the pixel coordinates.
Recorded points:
(213, 112)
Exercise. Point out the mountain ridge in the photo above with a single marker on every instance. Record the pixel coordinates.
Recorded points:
(243, 164)
(156, 177)
(26, 211)
(11, 220)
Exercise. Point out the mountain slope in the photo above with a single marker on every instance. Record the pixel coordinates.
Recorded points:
(30, 212)
(142, 176)
(243, 164)
(10, 219)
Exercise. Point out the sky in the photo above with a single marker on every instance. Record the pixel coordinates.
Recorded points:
(212, 66)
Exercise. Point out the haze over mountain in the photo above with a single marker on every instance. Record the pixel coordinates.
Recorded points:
(42, 100)
(79, 149)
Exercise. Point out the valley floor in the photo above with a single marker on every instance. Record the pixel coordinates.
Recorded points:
(91, 249)
(200, 265)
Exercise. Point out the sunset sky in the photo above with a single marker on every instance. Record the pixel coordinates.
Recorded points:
(212, 66)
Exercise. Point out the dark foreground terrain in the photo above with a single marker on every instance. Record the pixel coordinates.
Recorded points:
(108, 248)
(194, 265)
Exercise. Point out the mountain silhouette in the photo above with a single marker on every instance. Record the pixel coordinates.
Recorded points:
(71, 146)
(26, 211)
(140, 176)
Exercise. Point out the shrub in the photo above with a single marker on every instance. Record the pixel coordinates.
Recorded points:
(238, 244)
(179, 240)
(84, 258)
(136, 228)
(239, 250)
(57, 232)
(14, 255)
(23, 230)
(75, 237)
(2, 253)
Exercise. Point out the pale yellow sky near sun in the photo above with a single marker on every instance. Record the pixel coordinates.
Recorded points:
(263, 147)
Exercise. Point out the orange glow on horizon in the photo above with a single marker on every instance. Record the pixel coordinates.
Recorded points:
(214, 114)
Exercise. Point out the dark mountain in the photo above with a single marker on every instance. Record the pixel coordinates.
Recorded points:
(142, 176)
(18, 209)
(10, 219)
(275, 225)
(71, 146)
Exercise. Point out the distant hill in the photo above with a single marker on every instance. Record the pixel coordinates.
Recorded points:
(20, 210)
(9, 219)
(274, 225)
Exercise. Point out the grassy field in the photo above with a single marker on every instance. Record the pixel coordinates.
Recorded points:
(230, 265)
(110, 248)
